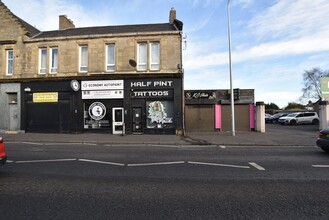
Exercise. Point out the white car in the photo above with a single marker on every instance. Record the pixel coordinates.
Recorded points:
(300, 118)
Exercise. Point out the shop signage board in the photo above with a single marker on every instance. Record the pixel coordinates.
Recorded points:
(45, 97)
(152, 94)
(324, 81)
(102, 85)
(152, 84)
(103, 94)
(102, 89)
(194, 94)
(152, 88)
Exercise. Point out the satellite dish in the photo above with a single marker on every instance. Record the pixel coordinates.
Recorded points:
(132, 63)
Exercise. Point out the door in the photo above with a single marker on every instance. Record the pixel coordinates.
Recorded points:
(137, 120)
(13, 118)
(118, 121)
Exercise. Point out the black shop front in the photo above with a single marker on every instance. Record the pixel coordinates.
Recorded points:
(153, 106)
(50, 107)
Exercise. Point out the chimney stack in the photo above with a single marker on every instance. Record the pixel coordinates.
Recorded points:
(65, 23)
(172, 15)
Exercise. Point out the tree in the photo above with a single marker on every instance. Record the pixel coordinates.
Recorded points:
(294, 106)
(271, 106)
(311, 81)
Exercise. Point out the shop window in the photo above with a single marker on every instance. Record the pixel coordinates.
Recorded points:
(42, 60)
(83, 59)
(96, 116)
(10, 62)
(53, 60)
(110, 57)
(160, 114)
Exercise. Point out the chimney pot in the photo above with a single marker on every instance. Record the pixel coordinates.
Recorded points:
(172, 15)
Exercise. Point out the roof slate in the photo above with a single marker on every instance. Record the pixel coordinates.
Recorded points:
(103, 30)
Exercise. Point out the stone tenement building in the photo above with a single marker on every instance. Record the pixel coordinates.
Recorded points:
(111, 79)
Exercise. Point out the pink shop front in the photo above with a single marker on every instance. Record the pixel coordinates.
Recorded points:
(210, 110)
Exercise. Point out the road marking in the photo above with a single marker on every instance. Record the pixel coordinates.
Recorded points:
(33, 143)
(222, 146)
(43, 161)
(92, 144)
(10, 161)
(155, 164)
(218, 164)
(101, 162)
(256, 166)
(320, 166)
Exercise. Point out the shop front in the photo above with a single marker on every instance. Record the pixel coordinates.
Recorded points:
(154, 106)
(51, 107)
(102, 102)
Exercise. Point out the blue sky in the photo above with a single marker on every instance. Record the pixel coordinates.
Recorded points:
(273, 41)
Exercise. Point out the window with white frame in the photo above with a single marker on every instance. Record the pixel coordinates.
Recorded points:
(148, 56)
(154, 55)
(10, 62)
(42, 60)
(83, 58)
(142, 56)
(110, 57)
(53, 60)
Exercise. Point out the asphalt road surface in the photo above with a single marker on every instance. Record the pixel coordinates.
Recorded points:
(67, 181)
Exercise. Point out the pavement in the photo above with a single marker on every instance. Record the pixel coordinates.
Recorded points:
(274, 136)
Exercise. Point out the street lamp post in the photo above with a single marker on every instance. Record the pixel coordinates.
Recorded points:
(230, 61)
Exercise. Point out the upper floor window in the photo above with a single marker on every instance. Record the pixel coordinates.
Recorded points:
(83, 58)
(10, 62)
(42, 60)
(110, 57)
(53, 60)
(148, 56)
(142, 56)
(155, 56)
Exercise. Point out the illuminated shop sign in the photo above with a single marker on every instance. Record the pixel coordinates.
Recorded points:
(102, 85)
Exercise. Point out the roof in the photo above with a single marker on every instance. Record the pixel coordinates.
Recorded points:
(30, 29)
(34, 33)
(103, 30)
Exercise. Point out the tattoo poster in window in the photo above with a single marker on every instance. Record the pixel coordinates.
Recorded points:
(160, 114)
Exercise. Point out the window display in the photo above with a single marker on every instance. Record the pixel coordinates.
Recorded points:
(96, 116)
(160, 114)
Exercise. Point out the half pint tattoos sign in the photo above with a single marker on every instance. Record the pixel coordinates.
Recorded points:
(152, 88)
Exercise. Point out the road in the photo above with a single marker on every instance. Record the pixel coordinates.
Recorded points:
(70, 181)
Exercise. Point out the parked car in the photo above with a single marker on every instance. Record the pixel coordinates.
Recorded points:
(267, 118)
(274, 118)
(323, 139)
(3, 155)
(300, 118)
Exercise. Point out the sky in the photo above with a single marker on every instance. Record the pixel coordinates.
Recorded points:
(272, 41)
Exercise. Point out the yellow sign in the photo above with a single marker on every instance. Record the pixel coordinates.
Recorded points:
(41, 97)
